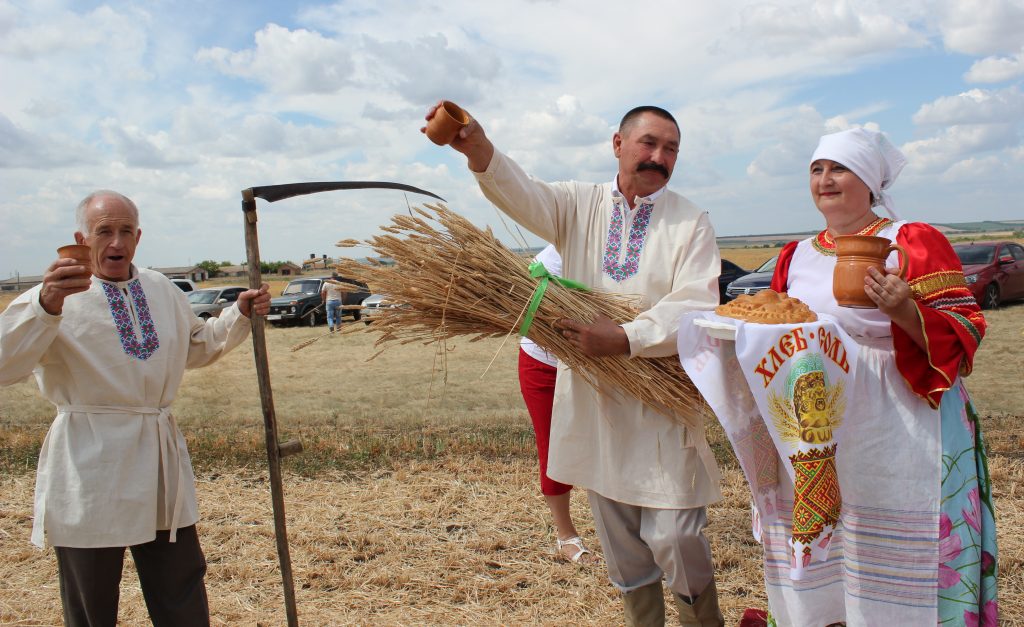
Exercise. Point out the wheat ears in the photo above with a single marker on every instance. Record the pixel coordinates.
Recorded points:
(459, 280)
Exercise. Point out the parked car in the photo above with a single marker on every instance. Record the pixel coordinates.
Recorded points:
(185, 285)
(375, 305)
(994, 271)
(752, 283)
(730, 272)
(300, 302)
(209, 302)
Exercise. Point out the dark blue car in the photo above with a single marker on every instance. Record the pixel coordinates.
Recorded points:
(752, 283)
(730, 273)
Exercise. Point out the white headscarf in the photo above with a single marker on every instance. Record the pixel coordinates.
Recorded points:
(869, 155)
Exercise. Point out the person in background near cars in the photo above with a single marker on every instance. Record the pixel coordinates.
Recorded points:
(648, 476)
(331, 293)
(110, 350)
(917, 543)
(537, 370)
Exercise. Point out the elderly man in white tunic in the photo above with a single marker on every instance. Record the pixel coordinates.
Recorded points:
(648, 477)
(109, 350)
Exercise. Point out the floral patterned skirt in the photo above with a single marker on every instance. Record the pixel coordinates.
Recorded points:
(967, 529)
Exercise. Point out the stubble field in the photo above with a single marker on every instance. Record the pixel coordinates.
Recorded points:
(416, 501)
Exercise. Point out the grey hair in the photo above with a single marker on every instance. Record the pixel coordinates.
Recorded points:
(82, 206)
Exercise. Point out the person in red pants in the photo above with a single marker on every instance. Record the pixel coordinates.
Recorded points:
(537, 383)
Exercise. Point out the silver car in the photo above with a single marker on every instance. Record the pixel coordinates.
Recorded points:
(375, 305)
(209, 302)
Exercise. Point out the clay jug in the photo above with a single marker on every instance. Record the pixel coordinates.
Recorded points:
(854, 255)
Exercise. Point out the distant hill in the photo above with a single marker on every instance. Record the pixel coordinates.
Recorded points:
(993, 228)
(985, 226)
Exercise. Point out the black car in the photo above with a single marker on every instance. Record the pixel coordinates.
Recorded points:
(753, 282)
(730, 272)
(300, 302)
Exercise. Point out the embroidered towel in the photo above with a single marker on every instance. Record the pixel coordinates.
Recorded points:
(798, 376)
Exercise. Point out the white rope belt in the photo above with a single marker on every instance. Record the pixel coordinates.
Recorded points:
(167, 436)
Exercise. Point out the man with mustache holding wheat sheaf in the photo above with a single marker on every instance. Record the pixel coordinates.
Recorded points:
(648, 476)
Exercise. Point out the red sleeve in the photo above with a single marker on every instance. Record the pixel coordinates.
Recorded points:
(951, 320)
(780, 280)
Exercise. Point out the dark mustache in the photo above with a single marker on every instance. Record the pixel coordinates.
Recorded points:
(650, 165)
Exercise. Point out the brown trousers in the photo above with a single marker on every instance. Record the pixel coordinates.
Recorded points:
(170, 573)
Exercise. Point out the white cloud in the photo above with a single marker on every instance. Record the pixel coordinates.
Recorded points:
(975, 169)
(833, 29)
(287, 61)
(793, 141)
(116, 34)
(956, 143)
(564, 124)
(338, 91)
(421, 69)
(141, 150)
(977, 106)
(996, 69)
(20, 148)
(982, 27)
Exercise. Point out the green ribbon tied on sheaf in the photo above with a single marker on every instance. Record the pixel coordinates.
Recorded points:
(538, 271)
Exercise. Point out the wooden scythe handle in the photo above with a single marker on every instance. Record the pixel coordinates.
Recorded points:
(259, 345)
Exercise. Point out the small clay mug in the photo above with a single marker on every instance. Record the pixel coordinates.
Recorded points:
(854, 255)
(79, 252)
(447, 121)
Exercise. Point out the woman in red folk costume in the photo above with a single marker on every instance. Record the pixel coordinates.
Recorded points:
(916, 543)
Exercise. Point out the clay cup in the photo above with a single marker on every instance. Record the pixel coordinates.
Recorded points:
(78, 252)
(447, 121)
(854, 255)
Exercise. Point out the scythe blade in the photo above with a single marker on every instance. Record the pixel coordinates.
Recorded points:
(273, 193)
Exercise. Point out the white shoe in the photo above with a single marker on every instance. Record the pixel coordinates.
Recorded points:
(574, 541)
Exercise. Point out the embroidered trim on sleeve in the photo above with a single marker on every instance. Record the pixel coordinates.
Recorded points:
(929, 285)
(965, 323)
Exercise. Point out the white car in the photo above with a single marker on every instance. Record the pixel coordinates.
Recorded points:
(375, 305)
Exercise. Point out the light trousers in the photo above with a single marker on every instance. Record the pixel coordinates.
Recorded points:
(642, 544)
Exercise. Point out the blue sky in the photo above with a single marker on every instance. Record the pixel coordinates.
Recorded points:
(181, 104)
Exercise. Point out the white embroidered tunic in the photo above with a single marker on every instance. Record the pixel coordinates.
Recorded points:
(664, 251)
(113, 468)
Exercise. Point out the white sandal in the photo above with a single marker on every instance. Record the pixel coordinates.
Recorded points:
(575, 541)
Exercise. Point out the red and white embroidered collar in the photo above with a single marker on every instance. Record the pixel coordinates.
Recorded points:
(825, 244)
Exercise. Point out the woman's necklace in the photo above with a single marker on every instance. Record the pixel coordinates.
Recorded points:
(825, 244)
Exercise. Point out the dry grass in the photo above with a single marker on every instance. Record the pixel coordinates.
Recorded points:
(749, 258)
(462, 540)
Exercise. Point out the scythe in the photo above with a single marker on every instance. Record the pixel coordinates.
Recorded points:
(277, 450)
